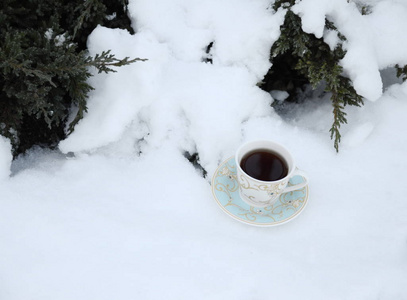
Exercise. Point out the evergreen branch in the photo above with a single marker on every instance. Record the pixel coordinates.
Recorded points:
(104, 61)
(44, 68)
(297, 53)
(85, 9)
(31, 72)
(339, 118)
(402, 72)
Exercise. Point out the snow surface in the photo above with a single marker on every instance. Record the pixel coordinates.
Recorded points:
(127, 216)
(5, 158)
(374, 41)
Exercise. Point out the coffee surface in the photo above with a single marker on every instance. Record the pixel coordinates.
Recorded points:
(264, 165)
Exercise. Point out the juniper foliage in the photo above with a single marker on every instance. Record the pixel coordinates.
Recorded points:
(402, 72)
(300, 58)
(44, 66)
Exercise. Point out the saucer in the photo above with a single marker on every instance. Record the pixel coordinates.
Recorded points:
(225, 189)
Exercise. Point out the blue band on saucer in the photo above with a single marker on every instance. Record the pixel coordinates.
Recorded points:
(225, 190)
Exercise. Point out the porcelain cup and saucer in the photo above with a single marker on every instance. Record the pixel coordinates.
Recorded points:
(255, 201)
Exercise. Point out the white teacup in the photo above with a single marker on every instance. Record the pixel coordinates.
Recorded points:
(260, 193)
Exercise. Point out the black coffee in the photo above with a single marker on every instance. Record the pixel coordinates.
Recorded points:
(264, 165)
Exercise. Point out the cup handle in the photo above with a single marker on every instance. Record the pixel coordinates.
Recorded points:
(299, 185)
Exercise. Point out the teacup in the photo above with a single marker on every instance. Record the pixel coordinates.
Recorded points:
(273, 166)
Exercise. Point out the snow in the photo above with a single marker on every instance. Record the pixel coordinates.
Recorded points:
(5, 158)
(118, 212)
(279, 95)
(374, 41)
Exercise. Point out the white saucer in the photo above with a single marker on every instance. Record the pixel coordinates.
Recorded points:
(225, 189)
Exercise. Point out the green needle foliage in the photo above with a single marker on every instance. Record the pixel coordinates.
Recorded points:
(44, 66)
(402, 72)
(300, 58)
